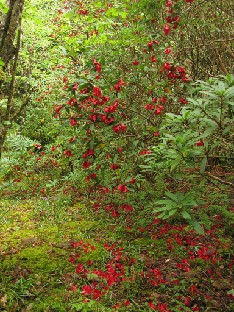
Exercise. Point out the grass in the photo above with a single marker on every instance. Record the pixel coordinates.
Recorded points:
(51, 250)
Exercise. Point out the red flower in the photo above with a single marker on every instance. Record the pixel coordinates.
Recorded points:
(83, 12)
(167, 66)
(72, 101)
(37, 145)
(200, 143)
(187, 301)
(97, 65)
(168, 51)
(152, 306)
(150, 45)
(183, 101)
(93, 175)
(86, 164)
(97, 92)
(58, 109)
(75, 87)
(126, 207)
(126, 303)
(193, 289)
(158, 111)
(114, 166)
(72, 259)
(169, 3)
(167, 29)
(136, 62)
(119, 84)
(156, 134)
(162, 307)
(80, 268)
(88, 153)
(145, 152)
(87, 290)
(73, 122)
(71, 140)
(119, 128)
(149, 107)
(122, 188)
(112, 108)
(68, 153)
(153, 59)
(93, 117)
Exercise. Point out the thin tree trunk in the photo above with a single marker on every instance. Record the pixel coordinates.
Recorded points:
(8, 52)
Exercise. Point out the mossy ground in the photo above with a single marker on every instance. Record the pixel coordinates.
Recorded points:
(37, 241)
(35, 267)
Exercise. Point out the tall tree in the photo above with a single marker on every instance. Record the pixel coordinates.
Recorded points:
(10, 38)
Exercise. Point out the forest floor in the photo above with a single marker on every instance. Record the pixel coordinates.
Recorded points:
(74, 258)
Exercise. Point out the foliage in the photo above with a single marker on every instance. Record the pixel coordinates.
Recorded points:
(202, 130)
(127, 114)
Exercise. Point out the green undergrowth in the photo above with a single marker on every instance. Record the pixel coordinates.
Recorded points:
(39, 259)
(35, 267)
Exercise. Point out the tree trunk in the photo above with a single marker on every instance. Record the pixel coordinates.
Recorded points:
(12, 21)
(9, 52)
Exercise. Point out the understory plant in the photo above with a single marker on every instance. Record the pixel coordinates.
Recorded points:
(191, 140)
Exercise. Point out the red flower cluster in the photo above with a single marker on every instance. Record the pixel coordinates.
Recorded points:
(119, 128)
(174, 73)
(57, 110)
(200, 143)
(72, 101)
(122, 188)
(98, 67)
(73, 122)
(68, 153)
(174, 20)
(119, 84)
(167, 29)
(112, 108)
(88, 153)
(83, 12)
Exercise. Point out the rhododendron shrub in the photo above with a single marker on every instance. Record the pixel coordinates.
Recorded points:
(114, 104)
(113, 86)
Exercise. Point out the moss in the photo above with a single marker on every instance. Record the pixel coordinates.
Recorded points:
(40, 258)
(37, 260)
(2, 74)
(55, 300)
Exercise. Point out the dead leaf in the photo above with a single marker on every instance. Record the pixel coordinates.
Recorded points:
(3, 301)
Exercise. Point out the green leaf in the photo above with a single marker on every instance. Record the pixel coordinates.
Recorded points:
(186, 215)
(1, 62)
(164, 202)
(229, 93)
(231, 292)
(3, 8)
(162, 215)
(64, 51)
(174, 197)
(197, 226)
(84, 85)
(172, 212)
(83, 96)
(175, 163)
(165, 208)
(203, 165)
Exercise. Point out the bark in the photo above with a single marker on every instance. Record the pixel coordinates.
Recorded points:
(9, 52)
(7, 48)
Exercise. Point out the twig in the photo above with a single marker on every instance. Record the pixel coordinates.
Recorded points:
(220, 180)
